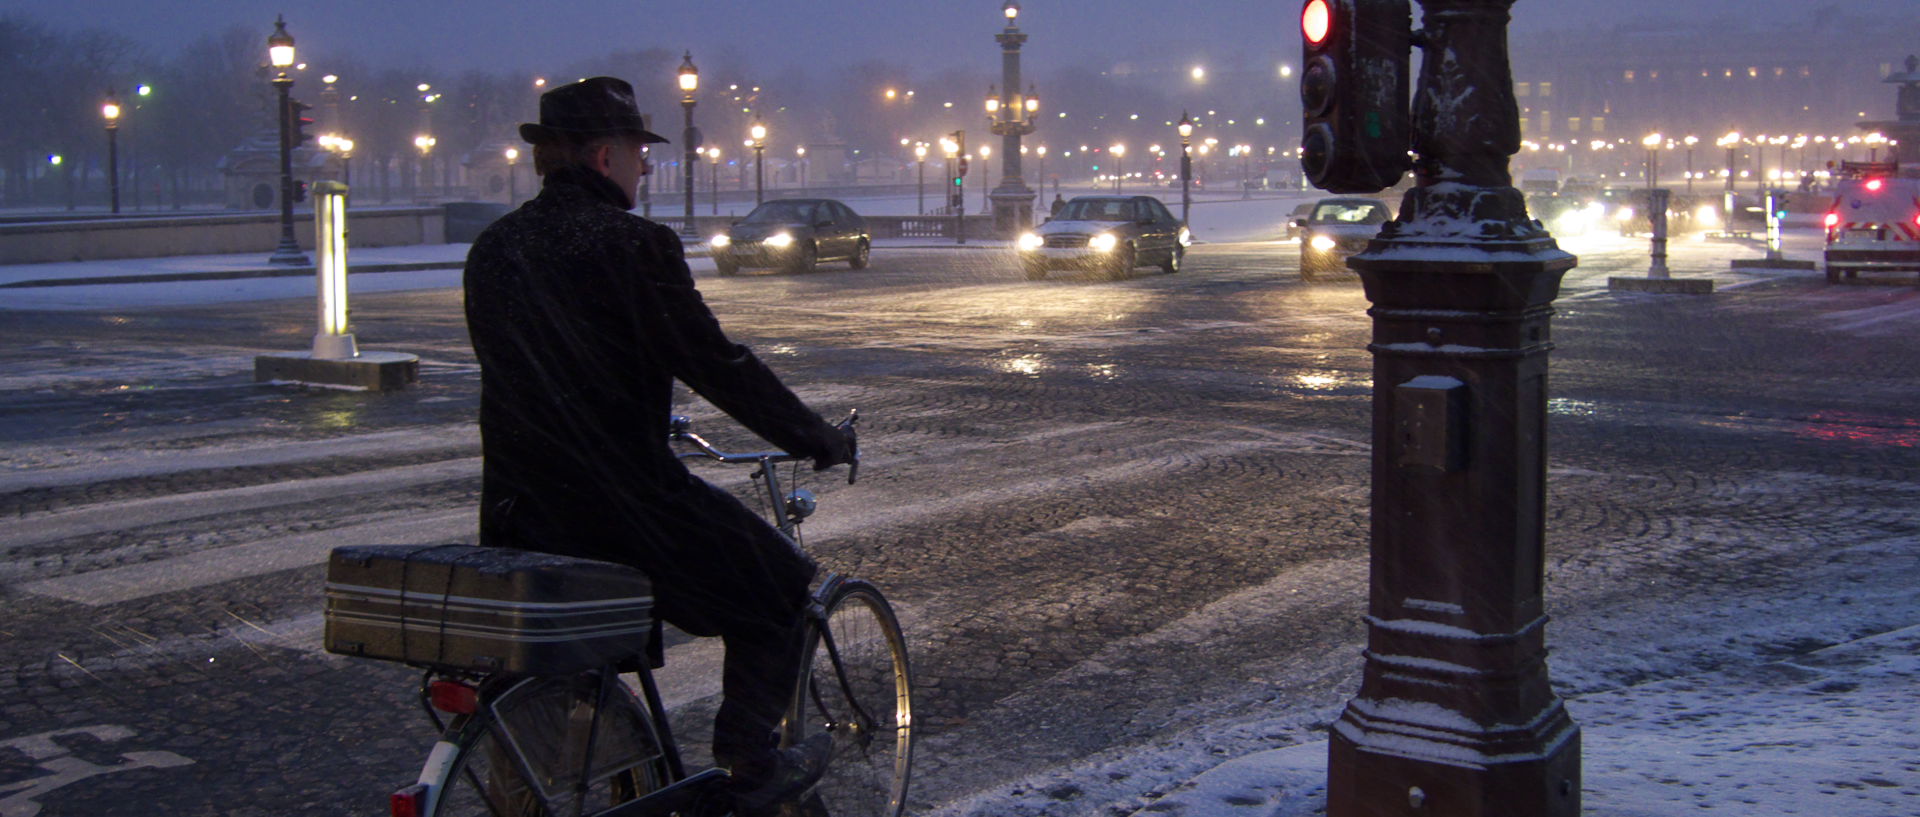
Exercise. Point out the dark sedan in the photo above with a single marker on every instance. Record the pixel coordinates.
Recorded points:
(1113, 234)
(793, 234)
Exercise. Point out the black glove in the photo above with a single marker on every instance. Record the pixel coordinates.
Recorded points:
(843, 448)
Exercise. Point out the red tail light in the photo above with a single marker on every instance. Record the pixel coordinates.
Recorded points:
(453, 697)
(1874, 185)
(408, 802)
(1833, 220)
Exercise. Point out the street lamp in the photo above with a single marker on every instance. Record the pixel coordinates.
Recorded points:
(1186, 166)
(759, 134)
(1652, 142)
(800, 157)
(513, 158)
(110, 111)
(986, 203)
(1690, 141)
(920, 157)
(713, 180)
(280, 53)
(1119, 152)
(689, 83)
(1041, 151)
(340, 146)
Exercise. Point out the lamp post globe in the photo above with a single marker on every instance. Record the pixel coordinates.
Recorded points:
(280, 54)
(689, 77)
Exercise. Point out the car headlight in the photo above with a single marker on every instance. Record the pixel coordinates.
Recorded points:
(781, 239)
(1321, 243)
(1186, 238)
(1623, 214)
(1707, 216)
(1104, 242)
(719, 241)
(1031, 241)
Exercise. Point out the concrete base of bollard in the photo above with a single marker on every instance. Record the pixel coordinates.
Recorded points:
(1672, 286)
(1777, 263)
(372, 371)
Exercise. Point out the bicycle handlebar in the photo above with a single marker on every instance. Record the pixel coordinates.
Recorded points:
(680, 429)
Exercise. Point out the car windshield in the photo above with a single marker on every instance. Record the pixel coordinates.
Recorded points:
(1097, 210)
(782, 212)
(1345, 213)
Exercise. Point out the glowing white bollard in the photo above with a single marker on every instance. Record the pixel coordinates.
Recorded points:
(332, 341)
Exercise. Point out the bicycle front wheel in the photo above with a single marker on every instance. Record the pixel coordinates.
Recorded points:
(857, 687)
(526, 754)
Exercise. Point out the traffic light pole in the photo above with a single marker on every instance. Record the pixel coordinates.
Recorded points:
(1455, 716)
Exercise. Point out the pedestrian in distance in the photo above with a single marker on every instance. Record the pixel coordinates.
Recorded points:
(582, 316)
(1058, 205)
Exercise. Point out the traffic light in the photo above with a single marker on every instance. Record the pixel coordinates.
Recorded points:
(959, 144)
(1354, 92)
(298, 122)
(299, 190)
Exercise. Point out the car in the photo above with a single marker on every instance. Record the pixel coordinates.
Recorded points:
(1336, 228)
(793, 234)
(1296, 221)
(1112, 234)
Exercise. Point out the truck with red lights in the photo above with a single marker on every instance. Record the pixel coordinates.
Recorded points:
(1873, 224)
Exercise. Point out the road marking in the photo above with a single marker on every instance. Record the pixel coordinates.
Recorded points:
(123, 515)
(64, 769)
(137, 581)
(107, 457)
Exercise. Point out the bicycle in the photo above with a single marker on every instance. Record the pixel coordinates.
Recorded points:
(519, 665)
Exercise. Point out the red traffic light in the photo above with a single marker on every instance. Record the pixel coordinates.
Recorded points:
(1316, 21)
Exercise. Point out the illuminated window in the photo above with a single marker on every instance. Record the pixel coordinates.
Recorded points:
(1522, 88)
(1573, 124)
(1546, 89)
(1599, 125)
(1546, 124)
(1629, 76)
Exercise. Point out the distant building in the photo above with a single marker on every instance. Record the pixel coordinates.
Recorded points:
(1815, 75)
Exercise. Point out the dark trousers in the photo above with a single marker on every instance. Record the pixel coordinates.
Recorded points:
(733, 575)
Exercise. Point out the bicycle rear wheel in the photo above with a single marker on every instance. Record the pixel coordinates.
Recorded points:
(857, 687)
(523, 753)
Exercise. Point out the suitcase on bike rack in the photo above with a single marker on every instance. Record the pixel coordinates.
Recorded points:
(476, 609)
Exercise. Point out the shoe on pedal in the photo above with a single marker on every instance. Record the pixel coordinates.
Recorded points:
(783, 776)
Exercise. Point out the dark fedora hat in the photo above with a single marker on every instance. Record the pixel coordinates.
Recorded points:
(599, 106)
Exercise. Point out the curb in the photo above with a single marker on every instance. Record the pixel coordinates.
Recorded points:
(352, 269)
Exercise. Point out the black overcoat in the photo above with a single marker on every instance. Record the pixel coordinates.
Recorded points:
(582, 315)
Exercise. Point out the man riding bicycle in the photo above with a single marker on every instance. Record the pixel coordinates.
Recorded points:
(582, 315)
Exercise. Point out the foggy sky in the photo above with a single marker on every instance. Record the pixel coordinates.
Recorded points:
(498, 35)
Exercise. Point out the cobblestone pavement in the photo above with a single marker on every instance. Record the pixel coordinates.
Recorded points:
(1110, 512)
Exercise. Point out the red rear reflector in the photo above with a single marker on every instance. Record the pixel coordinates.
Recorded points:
(1315, 20)
(1874, 185)
(408, 802)
(1833, 219)
(453, 697)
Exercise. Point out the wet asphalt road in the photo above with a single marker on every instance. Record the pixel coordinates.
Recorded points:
(1115, 515)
